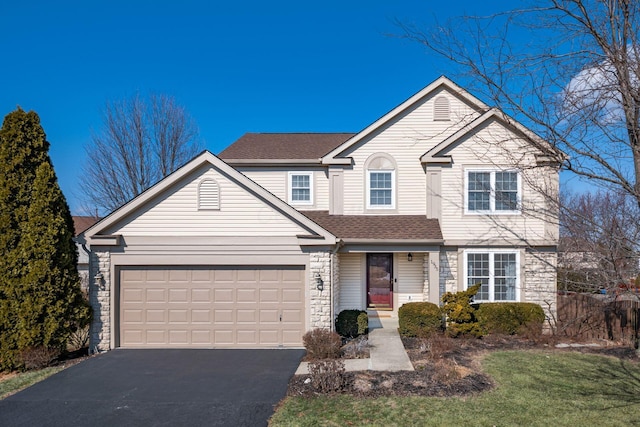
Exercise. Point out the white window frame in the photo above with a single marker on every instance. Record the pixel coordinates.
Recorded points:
(492, 192)
(393, 189)
(290, 189)
(492, 253)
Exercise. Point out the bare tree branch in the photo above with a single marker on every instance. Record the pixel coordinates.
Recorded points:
(141, 142)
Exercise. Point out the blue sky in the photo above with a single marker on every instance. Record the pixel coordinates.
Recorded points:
(279, 66)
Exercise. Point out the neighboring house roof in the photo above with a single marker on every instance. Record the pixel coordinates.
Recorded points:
(99, 231)
(378, 227)
(282, 146)
(81, 223)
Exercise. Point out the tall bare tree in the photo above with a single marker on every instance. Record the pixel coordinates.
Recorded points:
(569, 69)
(598, 240)
(142, 141)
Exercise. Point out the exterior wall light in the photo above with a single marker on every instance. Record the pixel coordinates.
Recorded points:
(409, 257)
(319, 282)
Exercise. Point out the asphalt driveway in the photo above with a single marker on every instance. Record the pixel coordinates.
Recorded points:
(158, 387)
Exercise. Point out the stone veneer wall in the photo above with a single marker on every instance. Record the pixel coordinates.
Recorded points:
(100, 300)
(320, 306)
(425, 273)
(448, 271)
(540, 280)
(335, 284)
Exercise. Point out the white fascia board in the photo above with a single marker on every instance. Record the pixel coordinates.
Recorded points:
(224, 168)
(441, 81)
(435, 154)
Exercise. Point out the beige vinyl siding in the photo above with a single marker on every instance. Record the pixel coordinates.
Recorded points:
(352, 281)
(240, 214)
(410, 278)
(406, 139)
(491, 148)
(275, 180)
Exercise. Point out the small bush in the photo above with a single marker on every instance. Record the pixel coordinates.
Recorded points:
(510, 317)
(461, 318)
(352, 323)
(419, 319)
(322, 344)
(357, 348)
(363, 323)
(327, 376)
(437, 346)
(38, 357)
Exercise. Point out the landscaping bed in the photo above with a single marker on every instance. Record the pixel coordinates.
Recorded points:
(445, 367)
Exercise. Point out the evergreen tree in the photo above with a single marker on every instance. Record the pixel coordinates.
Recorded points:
(40, 299)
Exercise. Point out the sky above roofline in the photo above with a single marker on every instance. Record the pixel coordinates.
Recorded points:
(279, 66)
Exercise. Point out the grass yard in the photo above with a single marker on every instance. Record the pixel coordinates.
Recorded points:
(533, 388)
(14, 382)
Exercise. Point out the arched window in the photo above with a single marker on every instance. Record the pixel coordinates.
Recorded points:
(441, 109)
(381, 182)
(208, 195)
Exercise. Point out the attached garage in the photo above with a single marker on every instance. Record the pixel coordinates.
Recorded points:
(207, 258)
(207, 307)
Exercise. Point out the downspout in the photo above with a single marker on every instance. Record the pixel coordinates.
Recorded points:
(339, 244)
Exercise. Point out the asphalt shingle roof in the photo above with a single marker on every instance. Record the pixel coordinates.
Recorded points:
(383, 227)
(285, 146)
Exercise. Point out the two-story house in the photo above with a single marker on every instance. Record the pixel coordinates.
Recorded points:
(281, 232)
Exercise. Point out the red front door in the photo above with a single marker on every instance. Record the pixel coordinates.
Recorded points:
(380, 281)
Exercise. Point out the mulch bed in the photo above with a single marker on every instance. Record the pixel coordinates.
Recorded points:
(445, 367)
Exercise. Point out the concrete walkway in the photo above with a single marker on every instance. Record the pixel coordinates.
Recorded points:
(386, 352)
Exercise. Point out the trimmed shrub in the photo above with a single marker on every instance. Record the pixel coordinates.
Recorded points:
(509, 317)
(419, 319)
(363, 323)
(322, 344)
(352, 323)
(461, 318)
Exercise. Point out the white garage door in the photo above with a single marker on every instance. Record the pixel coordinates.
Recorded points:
(211, 307)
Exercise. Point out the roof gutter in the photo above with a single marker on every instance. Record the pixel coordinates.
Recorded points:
(348, 241)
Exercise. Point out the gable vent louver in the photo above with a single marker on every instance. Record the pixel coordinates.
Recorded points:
(209, 195)
(441, 109)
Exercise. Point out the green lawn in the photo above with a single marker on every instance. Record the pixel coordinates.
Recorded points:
(14, 384)
(533, 389)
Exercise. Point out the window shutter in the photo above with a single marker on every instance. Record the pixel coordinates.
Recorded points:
(209, 195)
(441, 109)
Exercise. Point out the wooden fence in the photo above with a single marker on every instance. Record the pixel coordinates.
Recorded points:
(588, 316)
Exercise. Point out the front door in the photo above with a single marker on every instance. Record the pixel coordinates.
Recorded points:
(380, 281)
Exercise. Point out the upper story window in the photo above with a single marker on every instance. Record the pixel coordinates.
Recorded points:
(492, 191)
(208, 194)
(496, 272)
(301, 188)
(441, 109)
(381, 182)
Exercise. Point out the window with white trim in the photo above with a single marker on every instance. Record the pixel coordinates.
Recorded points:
(492, 191)
(301, 188)
(496, 271)
(381, 182)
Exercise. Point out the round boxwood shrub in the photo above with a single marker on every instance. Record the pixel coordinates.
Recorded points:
(352, 323)
(509, 317)
(419, 319)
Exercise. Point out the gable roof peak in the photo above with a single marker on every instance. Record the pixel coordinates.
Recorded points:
(334, 155)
